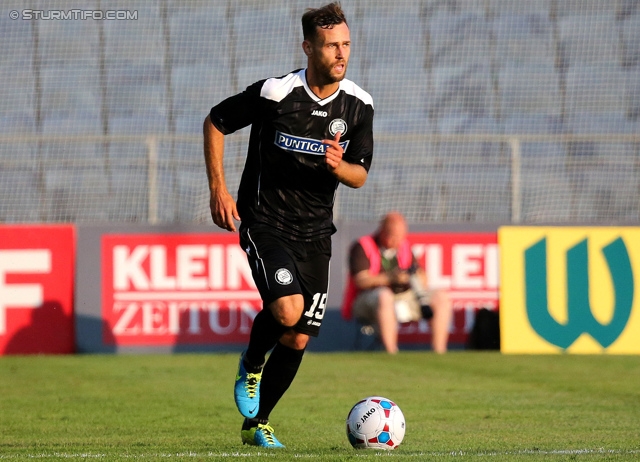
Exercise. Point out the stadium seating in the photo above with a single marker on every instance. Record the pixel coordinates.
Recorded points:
(596, 192)
(630, 34)
(476, 192)
(19, 157)
(473, 150)
(459, 39)
(17, 40)
(191, 123)
(20, 194)
(200, 35)
(459, 94)
(589, 40)
(17, 122)
(538, 206)
(524, 39)
(603, 172)
(592, 7)
(21, 81)
(534, 151)
(482, 170)
(595, 89)
(75, 124)
(127, 172)
(601, 151)
(123, 39)
(136, 89)
(71, 105)
(198, 87)
(601, 123)
(74, 193)
(627, 8)
(434, 7)
(68, 43)
(410, 84)
(74, 178)
(70, 91)
(265, 43)
(190, 185)
(128, 197)
(632, 87)
(529, 90)
(404, 30)
(413, 177)
(508, 7)
(433, 67)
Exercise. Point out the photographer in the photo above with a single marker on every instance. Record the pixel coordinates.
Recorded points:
(386, 287)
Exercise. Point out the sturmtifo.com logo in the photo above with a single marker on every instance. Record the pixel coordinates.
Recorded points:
(74, 15)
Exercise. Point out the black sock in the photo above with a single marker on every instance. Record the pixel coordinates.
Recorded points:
(279, 372)
(264, 335)
(250, 423)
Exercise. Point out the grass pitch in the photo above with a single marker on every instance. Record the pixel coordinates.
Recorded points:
(461, 406)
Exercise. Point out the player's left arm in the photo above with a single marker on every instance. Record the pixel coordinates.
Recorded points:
(352, 175)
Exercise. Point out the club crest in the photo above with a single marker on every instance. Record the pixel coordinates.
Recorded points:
(338, 125)
(284, 276)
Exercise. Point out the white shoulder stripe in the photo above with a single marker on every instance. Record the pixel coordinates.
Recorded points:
(276, 89)
(352, 89)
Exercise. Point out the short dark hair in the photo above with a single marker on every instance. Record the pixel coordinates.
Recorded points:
(324, 17)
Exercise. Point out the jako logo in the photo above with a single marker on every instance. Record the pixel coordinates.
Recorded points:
(319, 113)
(580, 317)
(367, 414)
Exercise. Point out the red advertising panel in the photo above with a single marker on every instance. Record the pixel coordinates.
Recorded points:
(36, 289)
(464, 264)
(170, 289)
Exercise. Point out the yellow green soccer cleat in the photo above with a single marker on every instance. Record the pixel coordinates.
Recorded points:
(247, 391)
(262, 436)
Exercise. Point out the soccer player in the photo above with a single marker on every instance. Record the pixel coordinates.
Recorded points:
(311, 130)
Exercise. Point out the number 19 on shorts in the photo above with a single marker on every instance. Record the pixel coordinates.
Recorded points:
(316, 311)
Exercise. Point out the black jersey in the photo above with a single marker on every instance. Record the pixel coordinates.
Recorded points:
(285, 183)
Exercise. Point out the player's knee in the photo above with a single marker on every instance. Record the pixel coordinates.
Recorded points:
(287, 310)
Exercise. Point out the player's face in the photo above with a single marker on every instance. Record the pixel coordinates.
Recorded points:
(330, 53)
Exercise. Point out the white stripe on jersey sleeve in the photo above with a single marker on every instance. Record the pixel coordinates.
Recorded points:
(277, 89)
(352, 89)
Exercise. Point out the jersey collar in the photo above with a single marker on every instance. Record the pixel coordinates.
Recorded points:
(303, 77)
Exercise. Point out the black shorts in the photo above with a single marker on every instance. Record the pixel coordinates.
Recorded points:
(282, 267)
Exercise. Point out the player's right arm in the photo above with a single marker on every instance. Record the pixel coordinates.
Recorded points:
(223, 207)
(226, 117)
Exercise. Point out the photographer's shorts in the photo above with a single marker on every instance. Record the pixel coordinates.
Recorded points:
(365, 307)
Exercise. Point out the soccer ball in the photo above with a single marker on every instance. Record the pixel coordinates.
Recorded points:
(376, 423)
